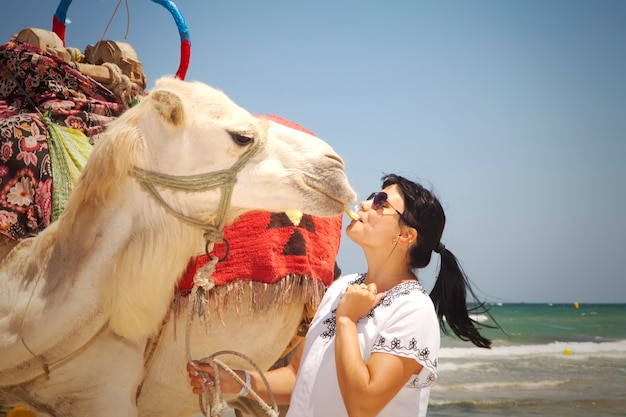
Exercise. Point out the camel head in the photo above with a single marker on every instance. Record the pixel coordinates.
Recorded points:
(190, 130)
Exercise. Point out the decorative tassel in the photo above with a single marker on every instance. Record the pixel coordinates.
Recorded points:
(202, 284)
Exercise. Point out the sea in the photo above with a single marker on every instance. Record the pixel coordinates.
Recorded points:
(548, 360)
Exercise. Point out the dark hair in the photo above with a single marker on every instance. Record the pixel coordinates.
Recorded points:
(423, 212)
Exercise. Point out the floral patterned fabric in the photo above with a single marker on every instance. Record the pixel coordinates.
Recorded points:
(34, 83)
(25, 195)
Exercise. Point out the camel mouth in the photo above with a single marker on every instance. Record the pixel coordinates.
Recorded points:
(332, 188)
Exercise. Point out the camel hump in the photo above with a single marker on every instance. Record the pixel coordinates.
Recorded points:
(169, 106)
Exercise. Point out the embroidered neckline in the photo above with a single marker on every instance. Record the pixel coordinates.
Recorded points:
(399, 290)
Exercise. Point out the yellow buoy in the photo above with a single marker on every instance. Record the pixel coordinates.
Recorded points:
(567, 351)
(576, 304)
(20, 412)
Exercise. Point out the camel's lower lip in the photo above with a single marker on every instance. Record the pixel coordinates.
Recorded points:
(331, 187)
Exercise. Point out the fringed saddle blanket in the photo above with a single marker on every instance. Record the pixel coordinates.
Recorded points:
(268, 247)
(280, 257)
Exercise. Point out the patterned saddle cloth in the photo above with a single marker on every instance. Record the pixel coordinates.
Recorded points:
(50, 116)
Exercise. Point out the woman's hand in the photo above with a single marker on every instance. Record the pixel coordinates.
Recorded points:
(202, 375)
(358, 300)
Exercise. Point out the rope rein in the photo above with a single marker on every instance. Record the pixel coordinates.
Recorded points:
(217, 404)
(225, 181)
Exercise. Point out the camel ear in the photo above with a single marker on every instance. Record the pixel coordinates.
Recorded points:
(169, 106)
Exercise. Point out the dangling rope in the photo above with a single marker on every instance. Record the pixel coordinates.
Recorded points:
(225, 181)
(113, 16)
(203, 283)
(122, 86)
(217, 404)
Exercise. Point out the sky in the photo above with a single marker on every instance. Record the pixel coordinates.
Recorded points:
(512, 112)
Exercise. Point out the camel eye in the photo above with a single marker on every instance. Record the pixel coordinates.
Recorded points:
(240, 139)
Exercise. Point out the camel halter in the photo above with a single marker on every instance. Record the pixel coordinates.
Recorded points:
(223, 179)
(213, 233)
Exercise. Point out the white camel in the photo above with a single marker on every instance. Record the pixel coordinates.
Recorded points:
(79, 301)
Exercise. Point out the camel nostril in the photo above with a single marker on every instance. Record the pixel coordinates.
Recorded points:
(335, 158)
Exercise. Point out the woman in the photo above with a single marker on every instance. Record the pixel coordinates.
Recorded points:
(372, 348)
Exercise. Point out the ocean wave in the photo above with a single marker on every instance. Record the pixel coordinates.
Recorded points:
(454, 366)
(500, 386)
(480, 318)
(472, 404)
(570, 349)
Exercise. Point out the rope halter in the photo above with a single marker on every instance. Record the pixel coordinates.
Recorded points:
(223, 179)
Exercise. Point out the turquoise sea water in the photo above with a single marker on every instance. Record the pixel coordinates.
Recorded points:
(554, 360)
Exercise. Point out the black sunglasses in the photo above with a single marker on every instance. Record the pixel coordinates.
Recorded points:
(379, 199)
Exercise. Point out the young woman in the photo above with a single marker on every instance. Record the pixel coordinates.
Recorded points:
(372, 348)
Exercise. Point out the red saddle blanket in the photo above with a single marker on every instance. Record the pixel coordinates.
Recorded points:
(267, 247)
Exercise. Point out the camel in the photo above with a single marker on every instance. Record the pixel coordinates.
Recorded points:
(79, 301)
(245, 314)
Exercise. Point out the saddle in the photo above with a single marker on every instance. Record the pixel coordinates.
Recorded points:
(50, 116)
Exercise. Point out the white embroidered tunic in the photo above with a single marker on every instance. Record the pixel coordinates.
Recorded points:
(404, 323)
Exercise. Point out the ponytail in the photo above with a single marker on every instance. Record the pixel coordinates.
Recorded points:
(423, 212)
(449, 297)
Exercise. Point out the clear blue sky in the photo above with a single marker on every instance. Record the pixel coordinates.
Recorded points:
(514, 112)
